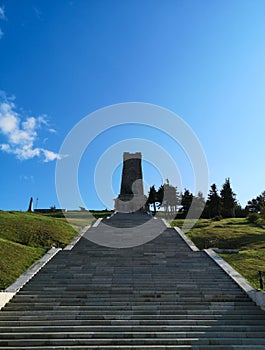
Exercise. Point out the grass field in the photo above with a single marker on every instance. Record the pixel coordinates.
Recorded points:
(25, 237)
(233, 234)
(34, 230)
(15, 258)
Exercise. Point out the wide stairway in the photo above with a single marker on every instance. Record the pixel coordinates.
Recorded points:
(160, 295)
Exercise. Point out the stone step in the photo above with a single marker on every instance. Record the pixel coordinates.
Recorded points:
(111, 287)
(66, 325)
(146, 278)
(139, 314)
(99, 308)
(125, 328)
(129, 294)
(133, 300)
(133, 341)
(143, 282)
(135, 336)
(140, 299)
(153, 280)
(132, 315)
(142, 347)
(115, 292)
(163, 271)
(129, 289)
(116, 306)
(147, 302)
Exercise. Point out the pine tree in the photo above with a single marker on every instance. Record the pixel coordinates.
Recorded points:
(168, 197)
(213, 202)
(228, 200)
(160, 196)
(186, 201)
(199, 204)
(171, 197)
(256, 205)
(152, 198)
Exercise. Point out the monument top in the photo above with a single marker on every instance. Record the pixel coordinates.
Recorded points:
(128, 155)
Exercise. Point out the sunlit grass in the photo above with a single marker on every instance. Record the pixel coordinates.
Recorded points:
(15, 258)
(24, 238)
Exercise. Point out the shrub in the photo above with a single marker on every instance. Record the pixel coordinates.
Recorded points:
(260, 222)
(253, 218)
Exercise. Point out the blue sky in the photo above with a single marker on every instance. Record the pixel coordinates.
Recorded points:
(62, 60)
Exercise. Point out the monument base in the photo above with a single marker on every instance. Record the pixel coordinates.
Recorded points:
(128, 203)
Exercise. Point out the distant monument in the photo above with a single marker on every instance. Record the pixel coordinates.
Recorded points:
(131, 198)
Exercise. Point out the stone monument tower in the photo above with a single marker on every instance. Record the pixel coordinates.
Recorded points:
(131, 197)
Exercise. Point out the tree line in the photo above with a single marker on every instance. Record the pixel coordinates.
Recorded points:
(222, 204)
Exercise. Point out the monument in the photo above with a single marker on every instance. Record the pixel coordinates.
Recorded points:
(131, 198)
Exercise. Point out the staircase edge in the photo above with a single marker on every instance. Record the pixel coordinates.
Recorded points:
(77, 238)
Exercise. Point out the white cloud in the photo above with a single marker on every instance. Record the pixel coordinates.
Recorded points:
(8, 118)
(29, 124)
(22, 135)
(49, 155)
(26, 152)
(2, 13)
(5, 147)
(2, 16)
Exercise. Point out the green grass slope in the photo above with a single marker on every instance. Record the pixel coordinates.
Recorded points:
(15, 258)
(24, 238)
(34, 230)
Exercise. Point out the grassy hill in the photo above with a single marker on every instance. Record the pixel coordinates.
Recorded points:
(24, 238)
(233, 234)
(34, 230)
(15, 258)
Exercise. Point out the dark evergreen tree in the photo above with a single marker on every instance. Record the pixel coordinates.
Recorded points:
(213, 202)
(199, 204)
(240, 212)
(160, 196)
(152, 198)
(253, 206)
(186, 201)
(168, 197)
(171, 197)
(228, 200)
(256, 205)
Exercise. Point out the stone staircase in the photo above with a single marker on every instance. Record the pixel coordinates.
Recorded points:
(160, 295)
